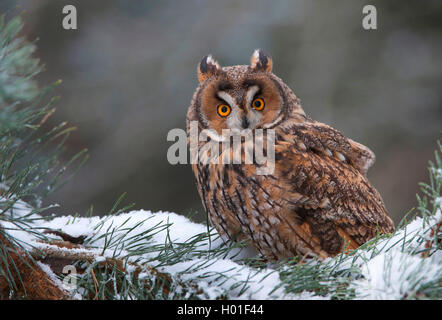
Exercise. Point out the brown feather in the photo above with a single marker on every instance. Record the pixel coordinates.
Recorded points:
(317, 201)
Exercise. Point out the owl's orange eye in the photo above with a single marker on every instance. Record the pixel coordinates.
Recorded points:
(258, 104)
(223, 110)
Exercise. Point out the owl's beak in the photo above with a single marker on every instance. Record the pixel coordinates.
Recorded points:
(245, 122)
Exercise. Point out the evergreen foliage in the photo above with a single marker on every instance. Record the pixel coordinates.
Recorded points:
(141, 255)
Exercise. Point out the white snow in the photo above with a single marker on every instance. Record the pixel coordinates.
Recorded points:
(398, 267)
(393, 275)
(391, 271)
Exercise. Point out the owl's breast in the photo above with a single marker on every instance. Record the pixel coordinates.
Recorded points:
(244, 206)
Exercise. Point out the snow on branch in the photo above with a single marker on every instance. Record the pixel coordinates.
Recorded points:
(171, 257)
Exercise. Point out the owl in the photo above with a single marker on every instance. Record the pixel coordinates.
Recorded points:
(317, 202)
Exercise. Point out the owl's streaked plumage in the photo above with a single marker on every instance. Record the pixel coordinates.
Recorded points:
(317, 201)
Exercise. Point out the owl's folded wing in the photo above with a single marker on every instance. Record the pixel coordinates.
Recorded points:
(333, 197)
(331, 142)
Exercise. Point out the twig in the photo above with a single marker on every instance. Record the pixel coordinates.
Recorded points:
(95, 284)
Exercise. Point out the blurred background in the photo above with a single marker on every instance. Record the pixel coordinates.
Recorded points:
(129, 73)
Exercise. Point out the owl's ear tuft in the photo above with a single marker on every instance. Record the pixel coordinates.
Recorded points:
(208, 68)
(261, 61)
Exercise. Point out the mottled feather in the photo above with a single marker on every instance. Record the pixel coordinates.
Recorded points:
(318, 200)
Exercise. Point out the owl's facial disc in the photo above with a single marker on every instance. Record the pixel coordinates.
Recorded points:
(241, 115)
(253, 102)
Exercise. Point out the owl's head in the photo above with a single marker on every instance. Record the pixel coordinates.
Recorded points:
(241, 97)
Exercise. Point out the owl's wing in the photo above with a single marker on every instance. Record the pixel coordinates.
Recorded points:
(325, 139)
(325, 191)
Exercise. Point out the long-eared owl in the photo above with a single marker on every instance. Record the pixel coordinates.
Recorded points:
(317, 201)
